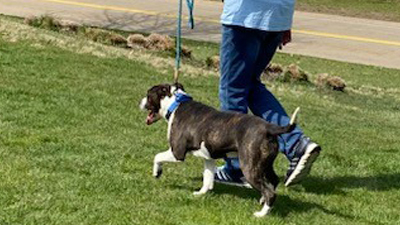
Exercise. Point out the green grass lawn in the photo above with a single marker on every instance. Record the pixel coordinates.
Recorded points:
(74, 147)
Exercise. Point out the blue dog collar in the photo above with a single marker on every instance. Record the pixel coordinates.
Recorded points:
(180, 97)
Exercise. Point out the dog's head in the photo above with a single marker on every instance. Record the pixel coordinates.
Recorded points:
(156, 100)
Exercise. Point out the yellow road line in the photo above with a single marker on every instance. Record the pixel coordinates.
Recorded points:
(147, 12)
(347, 37)
(117, 8)
(102, 7)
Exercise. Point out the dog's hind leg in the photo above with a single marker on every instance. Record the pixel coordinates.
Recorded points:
(260, 182)
(267, 199)
(159, 159)
(208, 177)
(259, 172)
(264, 211)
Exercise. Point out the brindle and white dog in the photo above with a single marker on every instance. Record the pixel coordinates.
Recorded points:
(210, 134)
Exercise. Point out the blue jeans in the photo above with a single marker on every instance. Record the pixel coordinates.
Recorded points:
(244, 55)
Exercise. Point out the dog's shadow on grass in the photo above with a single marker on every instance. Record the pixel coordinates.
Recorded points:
(282, 207)
(335, 185)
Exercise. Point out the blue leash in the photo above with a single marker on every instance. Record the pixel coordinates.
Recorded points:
(190, 4)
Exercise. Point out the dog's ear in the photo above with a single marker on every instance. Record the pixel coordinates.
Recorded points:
(156, 93)
(164, 90)
(179, 86)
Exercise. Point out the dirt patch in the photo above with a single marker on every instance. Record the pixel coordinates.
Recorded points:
(137, 41)
(291, 73)
(212, 62)
(159, 42)
(105, 37)
(294, 74)
(156, 42)
(273, 71)
(333, 82)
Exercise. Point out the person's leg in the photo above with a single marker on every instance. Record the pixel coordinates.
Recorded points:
(238, 55)
(239, 52)
(299, 149)
(240, 85)
(263, 103)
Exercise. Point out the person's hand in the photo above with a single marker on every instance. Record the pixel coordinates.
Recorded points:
(286, 38)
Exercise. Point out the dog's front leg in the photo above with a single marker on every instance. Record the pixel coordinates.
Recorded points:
(159, 159)
(208, 177)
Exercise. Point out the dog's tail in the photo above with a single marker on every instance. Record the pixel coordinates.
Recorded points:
(286, 129)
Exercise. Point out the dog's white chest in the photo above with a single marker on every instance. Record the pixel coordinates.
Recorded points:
(171, 119)
(202, 152)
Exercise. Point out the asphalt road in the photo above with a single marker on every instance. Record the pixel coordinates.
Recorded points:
(340, 38)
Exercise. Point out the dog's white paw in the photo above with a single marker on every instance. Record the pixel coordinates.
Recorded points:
(264, 211)
(259, 214)
(157, 170)
(198, 193)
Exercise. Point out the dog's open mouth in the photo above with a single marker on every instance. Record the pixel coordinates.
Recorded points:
(151, 118)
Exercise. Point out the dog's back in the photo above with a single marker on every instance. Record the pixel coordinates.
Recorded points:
(221, 132)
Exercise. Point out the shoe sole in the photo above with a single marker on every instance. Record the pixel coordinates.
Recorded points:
(304, 166)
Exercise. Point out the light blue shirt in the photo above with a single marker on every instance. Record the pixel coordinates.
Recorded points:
(269, 15)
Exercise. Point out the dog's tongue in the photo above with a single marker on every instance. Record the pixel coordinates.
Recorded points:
(150, 118)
